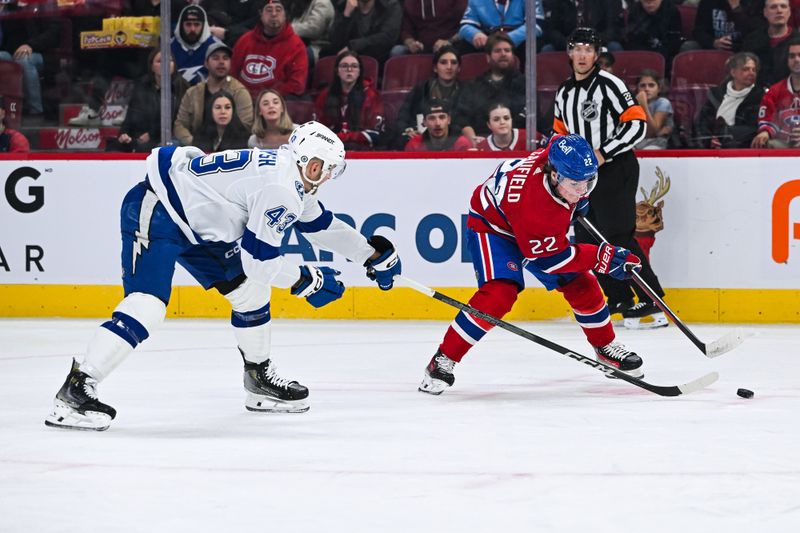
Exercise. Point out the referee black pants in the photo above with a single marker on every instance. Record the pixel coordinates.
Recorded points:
(612, 210)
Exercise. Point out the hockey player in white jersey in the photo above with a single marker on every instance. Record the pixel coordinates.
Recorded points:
(222, 216)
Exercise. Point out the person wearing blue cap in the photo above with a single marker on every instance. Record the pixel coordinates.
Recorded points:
(518, 220)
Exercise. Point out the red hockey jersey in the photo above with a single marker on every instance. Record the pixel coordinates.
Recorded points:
(780, 110)
(517, 202)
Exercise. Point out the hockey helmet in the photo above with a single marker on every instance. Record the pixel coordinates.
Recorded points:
(573, 158)
(314, 140)
(584, 36)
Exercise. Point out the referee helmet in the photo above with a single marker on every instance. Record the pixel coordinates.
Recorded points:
(584, 36)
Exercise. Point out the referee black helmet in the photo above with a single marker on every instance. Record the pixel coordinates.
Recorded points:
(584, 36)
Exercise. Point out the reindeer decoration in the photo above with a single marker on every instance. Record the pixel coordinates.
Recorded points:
(649, 218)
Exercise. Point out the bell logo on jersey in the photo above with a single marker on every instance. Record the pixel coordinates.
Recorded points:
(780, 220)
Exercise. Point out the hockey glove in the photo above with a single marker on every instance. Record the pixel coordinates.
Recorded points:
(617, 262)
(581, 208)
(386, 266)
(318, 285)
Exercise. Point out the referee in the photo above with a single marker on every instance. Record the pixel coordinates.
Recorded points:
(599, 107)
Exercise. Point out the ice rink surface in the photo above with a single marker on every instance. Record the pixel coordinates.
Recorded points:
(526, 440)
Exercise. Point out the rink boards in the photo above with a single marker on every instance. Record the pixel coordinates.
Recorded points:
(728, 252)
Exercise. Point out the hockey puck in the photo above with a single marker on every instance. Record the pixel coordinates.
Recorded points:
(745, 393)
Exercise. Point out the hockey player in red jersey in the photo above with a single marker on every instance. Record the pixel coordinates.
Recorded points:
(519, 219)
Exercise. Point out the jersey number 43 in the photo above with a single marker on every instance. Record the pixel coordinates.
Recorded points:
(279, 217)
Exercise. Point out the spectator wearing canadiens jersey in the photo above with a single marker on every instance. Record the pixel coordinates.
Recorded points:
(190, 43)
(779, 114)
(518, 220)
(504, 136)
(437, 136)
(271, 55)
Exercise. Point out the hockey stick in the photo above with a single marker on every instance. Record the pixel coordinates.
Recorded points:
(724, 344)
(674, 390)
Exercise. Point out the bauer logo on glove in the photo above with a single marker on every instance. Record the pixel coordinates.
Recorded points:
(617, 262)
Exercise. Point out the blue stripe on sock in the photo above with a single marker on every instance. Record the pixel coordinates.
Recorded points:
(469, 327)
(251, 319)
(127, 328)
(596, 318)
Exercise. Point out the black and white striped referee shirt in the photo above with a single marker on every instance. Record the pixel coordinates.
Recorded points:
(602, 110)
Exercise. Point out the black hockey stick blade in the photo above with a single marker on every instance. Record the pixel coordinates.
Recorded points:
(670, 390)
(724, 344)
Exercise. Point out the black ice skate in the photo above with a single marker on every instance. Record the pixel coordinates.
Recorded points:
(438, 374)
(619, 307)
(644, 310)
(268, 392)
(615, 354)
(76, 405)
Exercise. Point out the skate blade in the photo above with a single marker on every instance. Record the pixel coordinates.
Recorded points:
(267, 404)
(659, 321)
(65, 417)
(432, 386)
(636, 373)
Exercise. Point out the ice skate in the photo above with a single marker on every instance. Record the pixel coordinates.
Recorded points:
(619, 307)
(268, 392)
(438, 374)
(615, 354)
(652, 315)
(76, 405)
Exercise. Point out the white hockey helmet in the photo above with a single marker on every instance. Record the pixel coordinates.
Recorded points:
(314, 140)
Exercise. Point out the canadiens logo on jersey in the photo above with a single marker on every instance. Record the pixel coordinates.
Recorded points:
(589, 110)
(258, 69)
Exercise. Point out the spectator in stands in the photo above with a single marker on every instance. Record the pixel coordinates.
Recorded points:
(228, 20)
(657, 109)
(769, 43)
(504, 136)
(654, 25)
(429, 25)
(443, 85)
(311, 20)
(503, 82)
(24, 40)
(606, 60)
(11, 140)
(141, 129)
(197, 98)
(722, 24)
(437, 136)
(485, 17)
(271, 55)
(222, 129)
(563, 16)
(192, 37)
(351, 107)
(273, 125)
(779, 114)
(368, 27)
(729, 117)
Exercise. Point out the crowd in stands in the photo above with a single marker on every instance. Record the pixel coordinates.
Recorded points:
(244, 72)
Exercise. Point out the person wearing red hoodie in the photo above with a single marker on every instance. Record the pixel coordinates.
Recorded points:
(11, 140)
(351, 106)
(271, 55)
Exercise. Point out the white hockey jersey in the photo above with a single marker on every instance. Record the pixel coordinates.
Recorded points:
(250, 195)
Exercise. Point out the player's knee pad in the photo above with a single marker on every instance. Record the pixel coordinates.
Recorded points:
(250, 302)
(136, 317)
(496, 297)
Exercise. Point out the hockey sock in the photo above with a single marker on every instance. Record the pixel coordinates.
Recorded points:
(131, 323)
(250, 318)
(496, 298)
(589, 307)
